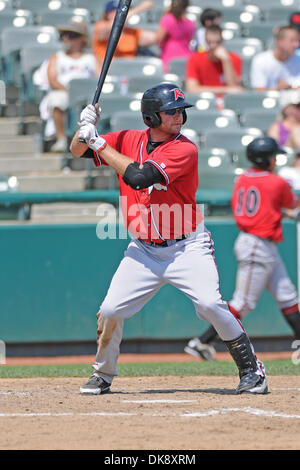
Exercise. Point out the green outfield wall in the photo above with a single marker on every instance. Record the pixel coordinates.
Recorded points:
(54, 277)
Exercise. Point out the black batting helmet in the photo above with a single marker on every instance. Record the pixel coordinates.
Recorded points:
(261, 149)
(162, 98)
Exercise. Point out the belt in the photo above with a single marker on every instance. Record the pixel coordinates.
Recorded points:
(166, 242)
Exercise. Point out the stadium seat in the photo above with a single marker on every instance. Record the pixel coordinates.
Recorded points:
(279, 15)
(13, 39)
(215, 170)
(36, 6)
(202, 121)
(202, 101)
(231, 140)
(96, 7)
(140, 84)
(230, 30)
(261, 118)
(276, 4)
(245, 47)
(31, 57)
(178, 67)
(81, 92)
(62, 16)
(122, 120)
(15, 19)
(241, 102)
(137, 67)
(263, 31)
(242, 14)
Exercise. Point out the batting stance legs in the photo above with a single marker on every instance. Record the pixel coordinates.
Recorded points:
(189, 266)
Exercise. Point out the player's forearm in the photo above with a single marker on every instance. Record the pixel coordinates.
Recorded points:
(115, 159)
(78, 148)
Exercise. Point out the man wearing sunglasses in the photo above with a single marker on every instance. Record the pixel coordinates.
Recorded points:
(158, 176)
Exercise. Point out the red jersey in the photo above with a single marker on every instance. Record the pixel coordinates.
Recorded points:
(162, 211)
(209, 73)
(257, 200)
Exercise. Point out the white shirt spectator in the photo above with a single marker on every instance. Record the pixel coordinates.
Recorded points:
(267, 71)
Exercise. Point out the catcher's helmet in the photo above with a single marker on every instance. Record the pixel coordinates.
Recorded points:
(261, 149)
(162, 98)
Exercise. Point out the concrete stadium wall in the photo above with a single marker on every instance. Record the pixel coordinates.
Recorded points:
(53, 279)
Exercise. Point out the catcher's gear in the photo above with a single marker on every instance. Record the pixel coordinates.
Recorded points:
(163, 97)
(261, 149)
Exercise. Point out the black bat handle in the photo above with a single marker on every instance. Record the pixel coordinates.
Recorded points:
(115, 33)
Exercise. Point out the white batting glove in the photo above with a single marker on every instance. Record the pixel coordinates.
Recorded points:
(89, 134)
(90, 115)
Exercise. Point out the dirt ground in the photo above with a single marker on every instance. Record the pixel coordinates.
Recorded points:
(149, 413)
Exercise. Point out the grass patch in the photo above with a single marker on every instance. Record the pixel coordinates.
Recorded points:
(227, 368)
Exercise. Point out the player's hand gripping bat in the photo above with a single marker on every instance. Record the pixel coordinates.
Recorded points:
(116, 30)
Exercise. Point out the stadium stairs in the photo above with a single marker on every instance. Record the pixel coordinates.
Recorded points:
(45, 172)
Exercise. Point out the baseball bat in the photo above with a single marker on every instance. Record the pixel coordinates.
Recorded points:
(115, 33)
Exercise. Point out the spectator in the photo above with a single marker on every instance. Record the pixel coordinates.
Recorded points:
(286, 129)
(278, 69)
(216, 70)
(175, 33)
(208, 17)
(131, 38)
(63, 66)
(292, 173)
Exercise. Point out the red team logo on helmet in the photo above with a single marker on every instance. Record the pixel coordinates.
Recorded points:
(178, 93)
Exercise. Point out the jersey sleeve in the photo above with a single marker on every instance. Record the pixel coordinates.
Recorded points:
(288, 199)
(175, 160)
(113, 139)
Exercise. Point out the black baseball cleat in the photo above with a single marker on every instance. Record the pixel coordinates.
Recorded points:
(95, 386)
(252, 383)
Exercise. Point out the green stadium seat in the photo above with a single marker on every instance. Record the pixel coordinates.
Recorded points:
(245, 47)
(81, 92)
(140, 84)
(15, 19)
(215, 170)
(261, 118)
(233, 140)
(122, 120)
(114, 102)
(241, 14)
(178, 67)
(36, 6)
(202, 101)
(14, 39)
(137, 67)
(62, 16)
(263, 31)
(279, 15)
(241, 102)
(201, 121)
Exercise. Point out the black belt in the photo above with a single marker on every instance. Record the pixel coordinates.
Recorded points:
(166, 242)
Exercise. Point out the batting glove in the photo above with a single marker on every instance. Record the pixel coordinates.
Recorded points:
(89, 134)
(90, 115)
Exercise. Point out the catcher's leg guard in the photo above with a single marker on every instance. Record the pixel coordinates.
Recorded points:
(251, 372)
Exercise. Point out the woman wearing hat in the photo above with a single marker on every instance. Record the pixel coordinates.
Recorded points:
(66, 64)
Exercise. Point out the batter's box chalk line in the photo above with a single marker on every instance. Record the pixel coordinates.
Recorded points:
(198, 414)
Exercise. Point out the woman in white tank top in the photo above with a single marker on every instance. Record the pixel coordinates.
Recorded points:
(65, 65)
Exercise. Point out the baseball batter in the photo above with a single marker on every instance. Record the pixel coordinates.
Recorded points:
(258, 198)
(158, 171)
